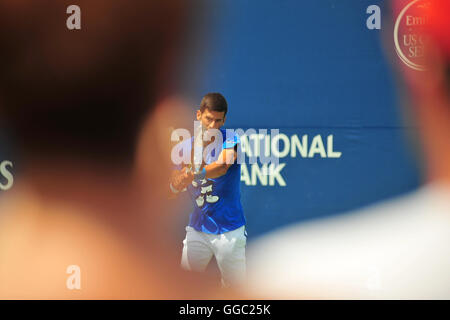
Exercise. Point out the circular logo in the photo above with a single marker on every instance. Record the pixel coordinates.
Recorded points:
(409, 38)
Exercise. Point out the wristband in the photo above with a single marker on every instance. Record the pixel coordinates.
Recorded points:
(200, 175)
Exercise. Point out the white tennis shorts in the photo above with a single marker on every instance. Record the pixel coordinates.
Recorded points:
(228, 248)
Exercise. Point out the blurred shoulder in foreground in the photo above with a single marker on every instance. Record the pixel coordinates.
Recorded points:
(395, 250)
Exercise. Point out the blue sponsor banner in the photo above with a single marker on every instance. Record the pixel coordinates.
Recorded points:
(312, 68)
(309, 69)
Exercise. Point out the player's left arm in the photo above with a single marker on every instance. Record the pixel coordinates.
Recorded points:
(220, 167)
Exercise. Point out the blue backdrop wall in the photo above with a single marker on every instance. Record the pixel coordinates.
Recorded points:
(311, 68)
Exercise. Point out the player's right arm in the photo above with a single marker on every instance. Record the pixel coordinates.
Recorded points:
(179, 179)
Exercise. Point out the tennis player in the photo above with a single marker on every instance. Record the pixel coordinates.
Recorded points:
(217, 224)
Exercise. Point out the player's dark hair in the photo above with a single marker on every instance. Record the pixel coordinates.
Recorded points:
(214, 102)
(84, 92)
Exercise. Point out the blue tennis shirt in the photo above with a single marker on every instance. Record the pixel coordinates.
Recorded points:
(217, 202)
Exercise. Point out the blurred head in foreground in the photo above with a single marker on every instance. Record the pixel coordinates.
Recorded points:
(398, 249)
(428, 89)
(88, 91)
(85, 109)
